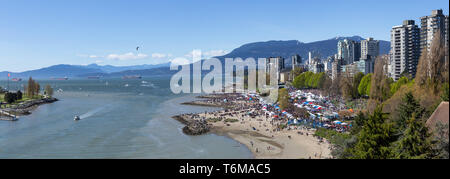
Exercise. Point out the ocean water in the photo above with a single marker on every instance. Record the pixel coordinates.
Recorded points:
(119, 119)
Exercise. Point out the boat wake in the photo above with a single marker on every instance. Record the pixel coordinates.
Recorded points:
(151, 85)
(91, 113)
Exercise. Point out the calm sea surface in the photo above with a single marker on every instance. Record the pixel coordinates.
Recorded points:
(120, 119)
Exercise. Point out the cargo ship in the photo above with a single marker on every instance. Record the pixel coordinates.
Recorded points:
(16, 79)
(132, 77)
(93, 77)
(61, 79)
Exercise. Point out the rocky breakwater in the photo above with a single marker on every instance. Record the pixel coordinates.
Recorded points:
(25, 107)
(193, 127)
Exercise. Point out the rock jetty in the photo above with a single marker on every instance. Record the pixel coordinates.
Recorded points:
(24, 108)
(193, 127)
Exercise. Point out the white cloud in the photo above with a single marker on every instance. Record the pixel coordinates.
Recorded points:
(98, 61)
(126, 56)
(214, 53)
(94, 56)
(205, 54)
(180, 61)
(89, 56)
(159, 55)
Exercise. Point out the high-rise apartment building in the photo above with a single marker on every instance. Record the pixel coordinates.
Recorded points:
(405, 49)
(349, 51)
(275, 62)
(446, 31)
(328, 64)
(336, 68)
(296, 61)
(370, 48)
(430, 25)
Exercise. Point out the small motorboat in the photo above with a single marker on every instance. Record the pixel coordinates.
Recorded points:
(77, 118)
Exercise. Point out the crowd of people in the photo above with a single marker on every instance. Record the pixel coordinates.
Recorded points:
(319, 111)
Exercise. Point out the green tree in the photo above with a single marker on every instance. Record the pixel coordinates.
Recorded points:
(415, 143)
(298, 71)
(407, 107)
(364, 85)
(400, 82)
(321, 80)
(10, 97)
(48, 90)
(19, 95)
(359, 122)
(356, 81)
(309, 79)
(375, 138)
(445, 92)
(312, 80)
(299, 81)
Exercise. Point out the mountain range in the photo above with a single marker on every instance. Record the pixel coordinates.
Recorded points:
(256, 50)
(77, 71)
(289, 48)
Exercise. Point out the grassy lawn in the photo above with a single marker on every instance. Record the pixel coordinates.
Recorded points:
(25, 98)
(231, 120)
(214, 120)
(333, 136)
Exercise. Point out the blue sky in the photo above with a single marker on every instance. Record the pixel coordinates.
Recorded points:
(40, 33)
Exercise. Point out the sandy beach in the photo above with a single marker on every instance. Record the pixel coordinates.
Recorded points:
(244, 123)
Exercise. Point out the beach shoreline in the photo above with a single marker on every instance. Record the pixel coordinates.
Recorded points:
(257, 133)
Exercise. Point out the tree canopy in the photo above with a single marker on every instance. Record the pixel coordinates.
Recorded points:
(310, 80)
(364, 85)
(375, 138)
